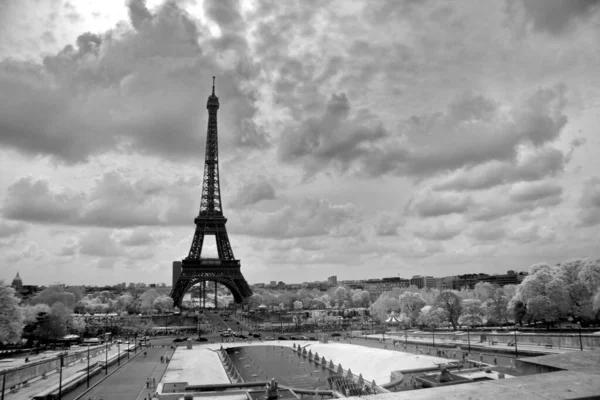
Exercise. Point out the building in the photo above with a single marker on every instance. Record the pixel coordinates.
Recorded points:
(444, 283)
(273, 284)
(332, 280)
(17, 283)
(510, 278)
(467, 281)
(176, 272)
(376, 287)
(429, 282)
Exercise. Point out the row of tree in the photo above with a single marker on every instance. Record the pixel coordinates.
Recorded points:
(57, 310)
(568, 291)
(337, 297)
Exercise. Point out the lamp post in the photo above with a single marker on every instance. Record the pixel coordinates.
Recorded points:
(3, 383)
(60, 368)
(516, 347)
(118, 353)
(106, 358)
(135, 343)
(88, 367)
(580, 339)
(433, 331)
(469, 338)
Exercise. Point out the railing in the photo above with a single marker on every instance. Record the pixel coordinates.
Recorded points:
(232, 372)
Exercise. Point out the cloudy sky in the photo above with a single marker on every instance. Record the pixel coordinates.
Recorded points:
(357, 138)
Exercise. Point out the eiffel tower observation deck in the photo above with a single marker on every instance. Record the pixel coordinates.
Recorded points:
(194, 268)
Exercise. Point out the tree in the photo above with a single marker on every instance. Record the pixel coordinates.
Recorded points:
(472, 312)
(518, 309)
(255, 300)
(124, 302)
(11, 319)
(163, 304)
(540, 308)
(483, 291)
(385, 304)
(496, 306)
(589, 275)
(77, 291)
(298, 305)
(451, 303)
(55, 294)
(147, 298)
(411, 304)
(431, 316)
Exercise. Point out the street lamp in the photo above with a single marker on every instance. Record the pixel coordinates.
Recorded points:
(106, 358)
(118, 353)
(469, 338)
(433, 331)
(60, 377)
(516, 347)
(88, 367)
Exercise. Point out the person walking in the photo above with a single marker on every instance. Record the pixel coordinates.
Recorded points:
(153, 382)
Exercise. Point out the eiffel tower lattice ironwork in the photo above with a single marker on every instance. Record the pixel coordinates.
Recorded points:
(194, 268)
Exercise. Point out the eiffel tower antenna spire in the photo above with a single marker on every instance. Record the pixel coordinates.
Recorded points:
(213, 93)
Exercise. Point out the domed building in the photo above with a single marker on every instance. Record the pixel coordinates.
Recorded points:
(17, 283)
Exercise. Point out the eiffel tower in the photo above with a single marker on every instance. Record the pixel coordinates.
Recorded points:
(194, 268)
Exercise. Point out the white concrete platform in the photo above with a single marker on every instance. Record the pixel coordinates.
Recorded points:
(197, 366)
(201, 366)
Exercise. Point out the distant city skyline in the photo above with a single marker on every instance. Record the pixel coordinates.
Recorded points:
(356, 139)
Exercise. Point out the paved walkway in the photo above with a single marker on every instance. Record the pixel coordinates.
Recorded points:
(39, 385)
(130, 380)
(499, 347)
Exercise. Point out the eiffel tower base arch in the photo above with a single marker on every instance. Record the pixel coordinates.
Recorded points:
(229, 276)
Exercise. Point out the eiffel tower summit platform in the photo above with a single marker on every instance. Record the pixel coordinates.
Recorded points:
(225, 269)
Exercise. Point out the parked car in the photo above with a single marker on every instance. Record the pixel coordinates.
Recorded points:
(336, 334)
(282, 338)
(302, 338)
(179, 339)
(293, 338)
(269, 338)
(312, 338)
(256, 335)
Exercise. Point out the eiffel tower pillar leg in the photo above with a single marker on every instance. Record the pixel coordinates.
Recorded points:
(215, 295)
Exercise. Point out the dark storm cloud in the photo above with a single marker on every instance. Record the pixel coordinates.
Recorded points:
(142, 90)
(553, 16)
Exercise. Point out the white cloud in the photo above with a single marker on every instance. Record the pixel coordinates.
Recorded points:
(589, 203)
(356, 139)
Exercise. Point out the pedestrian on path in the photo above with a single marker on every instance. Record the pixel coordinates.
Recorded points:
(495, 360)
(153, 382)
(148, 383)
